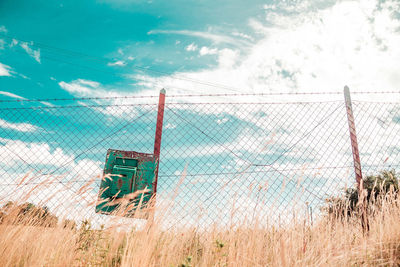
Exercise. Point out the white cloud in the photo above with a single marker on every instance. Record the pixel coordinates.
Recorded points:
(216, 38)
(257, 26)
(191, 47)
(80, 87)
(21, 127)
(208, 51)
(86, 168)
(308, 49)
(87, 88)
(4, 70)
(47, 103)
(29, 153)
(13, 43)
(243, 35)
(92, 84)
(33, 53)
(227, 58)
(119, 63)
(42, 154)
(8, 94)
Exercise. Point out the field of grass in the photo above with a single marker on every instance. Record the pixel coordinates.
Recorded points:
(328, 242)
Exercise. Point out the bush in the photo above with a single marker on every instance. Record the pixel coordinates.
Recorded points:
(376, 188)
(28, 214)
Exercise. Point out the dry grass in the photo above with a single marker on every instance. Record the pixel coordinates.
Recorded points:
(327, 243)
(27, 239)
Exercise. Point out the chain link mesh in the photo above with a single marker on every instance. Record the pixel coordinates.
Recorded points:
(221, 163)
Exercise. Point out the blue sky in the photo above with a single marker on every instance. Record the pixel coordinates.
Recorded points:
(136, 46)
(114, 48)
(112, 31)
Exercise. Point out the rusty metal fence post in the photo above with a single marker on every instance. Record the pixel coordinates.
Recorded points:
(157, 141)
(356, 160)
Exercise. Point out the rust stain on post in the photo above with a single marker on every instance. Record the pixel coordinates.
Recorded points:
(356, 159)
(157, 141)
(353, 137)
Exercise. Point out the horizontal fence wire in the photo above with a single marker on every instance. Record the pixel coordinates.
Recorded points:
(196, 95)
(221, 163)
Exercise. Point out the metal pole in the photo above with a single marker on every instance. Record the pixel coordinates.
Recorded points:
(356, 159)
(157, 141)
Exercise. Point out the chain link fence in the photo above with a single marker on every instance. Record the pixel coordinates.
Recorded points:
(224, 160)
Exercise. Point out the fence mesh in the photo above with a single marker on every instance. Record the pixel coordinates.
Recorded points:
(221, 163)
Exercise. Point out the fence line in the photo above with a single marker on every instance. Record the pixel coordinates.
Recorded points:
(303, 149)
(195, 95)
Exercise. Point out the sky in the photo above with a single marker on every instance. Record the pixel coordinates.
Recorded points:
(110, 39)
(116, 48)
(135, 46)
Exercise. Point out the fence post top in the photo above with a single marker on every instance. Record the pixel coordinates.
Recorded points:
(346, 89)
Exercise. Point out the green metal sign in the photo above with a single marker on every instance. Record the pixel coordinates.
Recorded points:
(128, 180)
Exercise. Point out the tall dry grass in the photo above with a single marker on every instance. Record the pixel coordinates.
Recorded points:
(327, 243)
(26, 241)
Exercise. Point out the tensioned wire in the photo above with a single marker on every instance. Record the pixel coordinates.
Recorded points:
(257, 165)
(196, 95)
(171, 103)
(214, 173)
(83, 152)
(239, 172)
(70, 53)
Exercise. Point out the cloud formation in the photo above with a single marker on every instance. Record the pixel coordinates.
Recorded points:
(215, 38)
(33, 53)
(208, 51)
(119, 63)
(191, 47)
(83, 88)
(87, 88)
(4, 70)
(308, 49)
(21, 127)
(28, 153)
(8, 94)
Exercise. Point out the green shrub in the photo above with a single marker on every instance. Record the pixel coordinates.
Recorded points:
(376, 188)
(27, 213)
